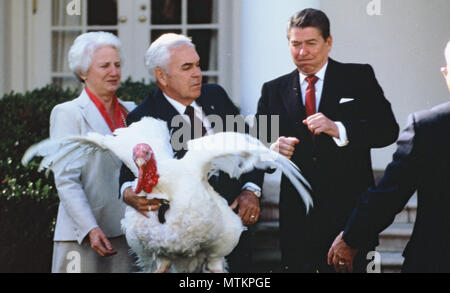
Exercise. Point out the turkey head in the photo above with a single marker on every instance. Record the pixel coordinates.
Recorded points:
(144, 158)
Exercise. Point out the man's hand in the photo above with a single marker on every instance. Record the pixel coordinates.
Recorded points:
(285, 146)
(100, 243)
(319, 123)
(139, 203)
(341, 255)
(249, 209)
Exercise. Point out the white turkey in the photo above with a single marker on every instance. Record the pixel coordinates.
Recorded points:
(200, 229)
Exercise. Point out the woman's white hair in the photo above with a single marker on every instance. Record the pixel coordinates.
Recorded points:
(158, 54)
(85, 45)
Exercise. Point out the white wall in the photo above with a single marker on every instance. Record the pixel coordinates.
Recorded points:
(404, 44)
(15, 45)
(264, 47)
(12, 46)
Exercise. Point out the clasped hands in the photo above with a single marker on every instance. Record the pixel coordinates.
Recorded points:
(317, 124)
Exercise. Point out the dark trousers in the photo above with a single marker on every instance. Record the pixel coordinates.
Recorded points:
(240, 259)
(305, 238)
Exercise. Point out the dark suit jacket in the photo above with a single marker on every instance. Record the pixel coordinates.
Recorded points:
(422, 163)
(214, 101)
(338, 175)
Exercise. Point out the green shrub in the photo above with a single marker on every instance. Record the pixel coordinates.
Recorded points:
(28, 200)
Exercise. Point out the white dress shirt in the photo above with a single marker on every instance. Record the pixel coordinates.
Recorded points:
(181, 109)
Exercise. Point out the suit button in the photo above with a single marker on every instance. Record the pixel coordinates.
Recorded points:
(314, 159)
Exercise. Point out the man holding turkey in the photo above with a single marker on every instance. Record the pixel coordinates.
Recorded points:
(174, 64)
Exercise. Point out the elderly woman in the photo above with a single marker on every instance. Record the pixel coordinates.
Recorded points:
(88, 236)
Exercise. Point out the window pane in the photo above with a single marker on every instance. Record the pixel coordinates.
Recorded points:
(202, 11)
(210, 79)
(157, 33)
(114, 32)
(102, 12)
(61, 43)
(60, 16)
(206, 43)
(65, 82)
(165, 12)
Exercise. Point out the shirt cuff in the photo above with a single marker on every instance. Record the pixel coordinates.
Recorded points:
(125, 186)
(252, 185)
(342, 141)
(273, 148)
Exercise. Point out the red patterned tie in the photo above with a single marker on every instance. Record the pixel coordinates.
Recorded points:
(310, 96)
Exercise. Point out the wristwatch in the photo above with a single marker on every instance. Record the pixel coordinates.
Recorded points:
(256, 191)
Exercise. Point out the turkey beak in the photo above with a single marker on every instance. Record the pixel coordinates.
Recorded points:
(140, 163)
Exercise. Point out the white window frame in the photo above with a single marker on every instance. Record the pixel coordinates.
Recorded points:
(31, 39)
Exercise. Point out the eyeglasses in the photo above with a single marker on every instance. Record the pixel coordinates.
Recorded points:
(444, 71)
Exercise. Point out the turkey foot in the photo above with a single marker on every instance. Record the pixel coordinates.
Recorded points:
(162, 265)
(215, 265)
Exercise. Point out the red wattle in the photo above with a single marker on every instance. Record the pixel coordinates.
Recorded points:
(140, 185)
(150, 177)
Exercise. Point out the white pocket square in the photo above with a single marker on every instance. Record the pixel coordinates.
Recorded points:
(345, 100)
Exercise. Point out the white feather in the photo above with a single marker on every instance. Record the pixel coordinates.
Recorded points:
(73, 151)
(236, 154)
(200, 228)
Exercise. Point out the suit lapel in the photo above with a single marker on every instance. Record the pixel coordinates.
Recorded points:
(129, 106)
(210, 109)
(163, 110)
(95, 120)
(330, 92)
(291, 95)
(92, 115)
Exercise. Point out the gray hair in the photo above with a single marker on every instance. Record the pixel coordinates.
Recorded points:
(85, 45)
(158, 54)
